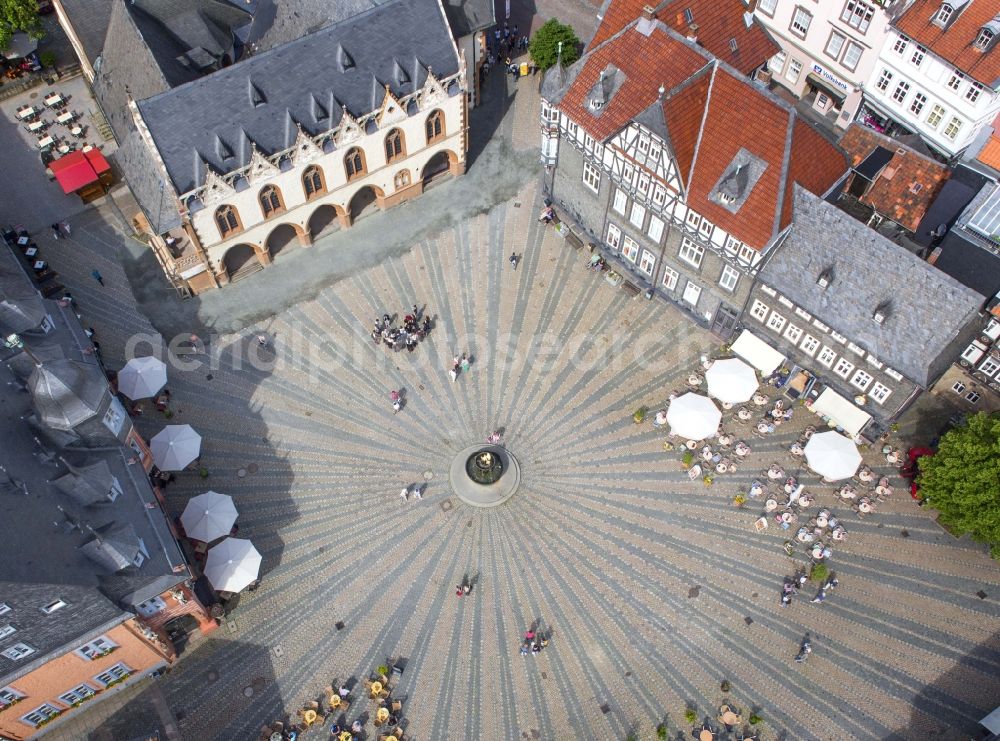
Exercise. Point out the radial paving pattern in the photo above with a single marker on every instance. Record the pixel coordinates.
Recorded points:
(655, 588)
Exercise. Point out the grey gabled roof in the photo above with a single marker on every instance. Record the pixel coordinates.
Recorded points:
(264, 98)
(114, 546)
(67, 393)
(89, 19)
(924, 309)
(87, 614)
(19, 315)
(87, 484)
(469, 16)
(151, 190)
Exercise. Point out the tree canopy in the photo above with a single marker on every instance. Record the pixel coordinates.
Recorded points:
(19, 15)
(544, 46)
(962, 481)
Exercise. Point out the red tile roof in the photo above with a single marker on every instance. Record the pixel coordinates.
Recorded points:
(955, 44)
(718, 22)
(907, 186)
(710, 119)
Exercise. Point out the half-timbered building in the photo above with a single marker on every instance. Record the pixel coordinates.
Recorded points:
(677, 165)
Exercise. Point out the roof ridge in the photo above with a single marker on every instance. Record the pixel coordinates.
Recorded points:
(701, 126)
(786, 166)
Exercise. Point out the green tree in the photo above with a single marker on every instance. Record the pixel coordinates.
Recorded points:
(962, 481)
(544, 46)
(19, 15)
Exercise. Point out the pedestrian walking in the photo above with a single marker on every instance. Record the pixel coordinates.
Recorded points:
(97, 276)
(405, 493)
(459, 590)
(465, 363)
(820, 596)
(418, 492)
(513, 260)
(55, 231)
(65, 228)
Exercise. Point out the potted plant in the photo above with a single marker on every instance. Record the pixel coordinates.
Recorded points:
(168, 413)
(739, 500)
(203, 472)
(639, 415)
(707, 480)
(661, 731)
(691, 715)
(819, 572)
(725, 686)
(687, 459)
(382, 670)
(754, 719)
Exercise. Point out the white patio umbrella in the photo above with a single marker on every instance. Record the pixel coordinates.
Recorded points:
(209, 516)
(731, 381)
(142, 377)
(174, 447)
(832, 455)
(232, 565)
(693, 416)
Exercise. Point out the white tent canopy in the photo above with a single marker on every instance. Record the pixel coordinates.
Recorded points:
(209, 516)
(832, 455)
(142, 377)
(232, 565)
(731, 381)
(758, 353)
(842, 411)
(693, 416)
(174, 447)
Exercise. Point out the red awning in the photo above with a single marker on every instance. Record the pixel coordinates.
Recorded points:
(79, 169)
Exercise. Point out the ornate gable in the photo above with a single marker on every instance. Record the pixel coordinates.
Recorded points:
(306, 150)
(216, 189)
(260, 167)
(391, 112)
(349, 129)
(432, 94)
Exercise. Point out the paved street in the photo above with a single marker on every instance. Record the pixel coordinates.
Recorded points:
(654, 588)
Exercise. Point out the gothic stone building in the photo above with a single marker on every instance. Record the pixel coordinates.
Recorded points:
(242, 135)
(678, 165)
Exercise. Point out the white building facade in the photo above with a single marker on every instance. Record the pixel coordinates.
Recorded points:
(829, 49)
(926, 94)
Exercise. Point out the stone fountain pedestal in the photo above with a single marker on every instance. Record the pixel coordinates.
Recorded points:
(484, 495)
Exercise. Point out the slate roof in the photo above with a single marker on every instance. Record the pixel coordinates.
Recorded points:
(212, 120)
(129, 69)
(955, 44)
(87, 614)
(150, 188)
(969, 263)
(88, 485)
(718, 21)
(40, 547)
(469, 16)
(925, 309)
(89, 19)
(68, 393)
(906, 187)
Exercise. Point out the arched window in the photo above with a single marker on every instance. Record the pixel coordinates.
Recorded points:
(354, 163)
(312, 182)
(270, 201)
(394, 146)
(402, 179)
(227, 218)
(434, 126)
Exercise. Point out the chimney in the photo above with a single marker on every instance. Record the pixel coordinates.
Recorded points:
(648, 13)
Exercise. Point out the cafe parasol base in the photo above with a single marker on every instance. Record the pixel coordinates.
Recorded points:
(484, 495)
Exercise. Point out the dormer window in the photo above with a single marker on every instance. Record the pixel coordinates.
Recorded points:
(596, 105)
(688, 16)
(879, 317)
(727, 197)
(881, 313)
(944, 15)
(984, 39)
(824, 279)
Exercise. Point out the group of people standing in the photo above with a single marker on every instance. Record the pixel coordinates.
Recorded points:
(416, 326)
(533, 642)
(792, 585)
(460, 364)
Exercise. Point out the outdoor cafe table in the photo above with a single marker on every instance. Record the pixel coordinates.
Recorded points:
(25, 112)
(36, 125)
(39, 265)
(376, 688)
(47, 141)
(730, 718)
(382, 715)
(31, 252)
(65, 117)
(53, 100)
(345, 736)
(21, 241)
(76, 130)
